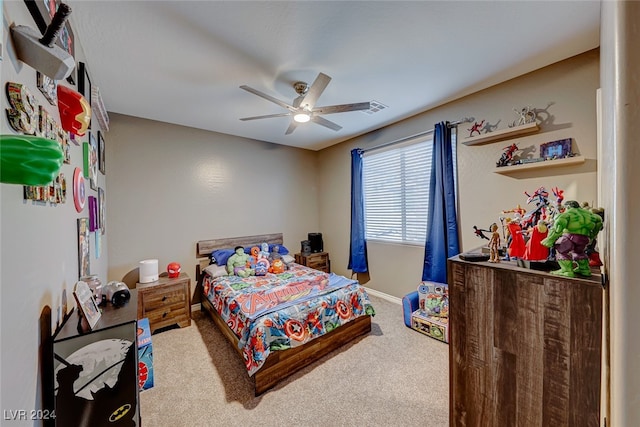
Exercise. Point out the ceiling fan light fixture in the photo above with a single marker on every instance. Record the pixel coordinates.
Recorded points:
(302, 117)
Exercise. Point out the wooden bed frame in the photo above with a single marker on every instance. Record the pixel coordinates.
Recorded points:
(279, 364)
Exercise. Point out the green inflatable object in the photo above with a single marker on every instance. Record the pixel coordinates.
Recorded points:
(29, 160)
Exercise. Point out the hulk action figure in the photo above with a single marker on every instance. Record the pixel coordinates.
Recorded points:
(571, 233)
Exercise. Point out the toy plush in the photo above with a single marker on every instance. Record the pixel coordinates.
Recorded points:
(238, 263)
(277, 266)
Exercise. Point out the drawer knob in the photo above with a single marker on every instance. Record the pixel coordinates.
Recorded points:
(164, 298)
(164, 314)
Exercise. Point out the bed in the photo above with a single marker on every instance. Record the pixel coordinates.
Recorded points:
(282, 354)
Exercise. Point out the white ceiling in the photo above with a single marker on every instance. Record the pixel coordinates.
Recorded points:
(182, 62)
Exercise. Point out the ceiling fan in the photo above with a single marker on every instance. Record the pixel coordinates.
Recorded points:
(304, 107)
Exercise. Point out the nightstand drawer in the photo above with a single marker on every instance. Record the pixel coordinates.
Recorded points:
(167, 315)
(318, 261)
(163, 297)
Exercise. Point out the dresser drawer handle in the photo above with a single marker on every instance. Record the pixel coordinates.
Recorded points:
(164, 298)
(164, 314)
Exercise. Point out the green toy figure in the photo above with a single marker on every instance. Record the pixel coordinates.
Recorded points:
(571, 233)
(238, 263)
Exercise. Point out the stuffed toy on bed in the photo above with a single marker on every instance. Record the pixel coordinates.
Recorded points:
(259, 263)
(238, 263)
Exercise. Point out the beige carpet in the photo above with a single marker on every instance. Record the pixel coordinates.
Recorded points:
(392, 377)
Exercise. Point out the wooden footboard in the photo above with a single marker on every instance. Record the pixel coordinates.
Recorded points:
(281, 364)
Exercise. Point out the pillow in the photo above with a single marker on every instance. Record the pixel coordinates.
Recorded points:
(288, 259)
(281, 250)
(221, 256)
(215, 270)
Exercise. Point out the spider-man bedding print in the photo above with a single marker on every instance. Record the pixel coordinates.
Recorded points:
(280, 311)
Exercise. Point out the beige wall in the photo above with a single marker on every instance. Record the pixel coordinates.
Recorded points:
(39, 256)
(571, 85)
(170, 186)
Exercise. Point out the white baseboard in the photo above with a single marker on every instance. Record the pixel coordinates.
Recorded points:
(196, 307)
(382, 295)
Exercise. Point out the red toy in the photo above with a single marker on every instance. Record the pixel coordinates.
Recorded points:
(75, 111)
(174, 269)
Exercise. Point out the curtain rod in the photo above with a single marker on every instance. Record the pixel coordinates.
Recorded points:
(427, 132)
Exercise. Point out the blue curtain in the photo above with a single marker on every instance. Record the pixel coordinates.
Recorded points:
(358, 246)
(442, 227)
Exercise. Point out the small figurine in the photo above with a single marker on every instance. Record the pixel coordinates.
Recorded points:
(494, 244)
(507, 156)
(517, 245)
(559, 194)
(475, 128)
(535, 250)
(570, 234)
(591, 251)
(525, 115)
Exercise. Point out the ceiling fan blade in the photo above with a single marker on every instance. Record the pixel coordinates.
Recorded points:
(315, 90)
(291, 127)
(326, 123)
(342, 108)
(268, 97)
(268, 116)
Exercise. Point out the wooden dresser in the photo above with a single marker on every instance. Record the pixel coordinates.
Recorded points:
(319, 261)
(525, 346)
(165, 302)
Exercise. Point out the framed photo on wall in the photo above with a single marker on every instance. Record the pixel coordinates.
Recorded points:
(101, 216)
(83, 247)
(90, 151)
(101, 149)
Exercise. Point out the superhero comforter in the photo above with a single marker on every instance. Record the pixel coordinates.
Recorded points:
(281, 311)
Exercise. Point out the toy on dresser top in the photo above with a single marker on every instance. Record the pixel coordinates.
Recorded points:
(548, 235)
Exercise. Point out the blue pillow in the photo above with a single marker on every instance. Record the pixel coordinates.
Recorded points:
(221, 256)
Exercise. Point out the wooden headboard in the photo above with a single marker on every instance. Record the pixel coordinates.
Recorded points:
(205, 247)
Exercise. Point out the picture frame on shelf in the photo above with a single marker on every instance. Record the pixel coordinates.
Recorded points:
(556, 149)
(42, 12)
(87, 305)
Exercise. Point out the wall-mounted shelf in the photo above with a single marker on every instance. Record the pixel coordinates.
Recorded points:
(502, 134)
(568, 161)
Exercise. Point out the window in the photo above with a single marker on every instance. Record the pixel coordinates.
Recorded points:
(396, 191)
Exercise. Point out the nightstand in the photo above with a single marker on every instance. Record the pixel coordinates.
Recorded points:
(165, 302)
(319, 261)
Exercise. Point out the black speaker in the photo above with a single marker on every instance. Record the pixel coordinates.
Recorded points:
(316, 242)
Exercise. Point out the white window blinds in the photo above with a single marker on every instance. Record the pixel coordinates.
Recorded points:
(396, 192)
